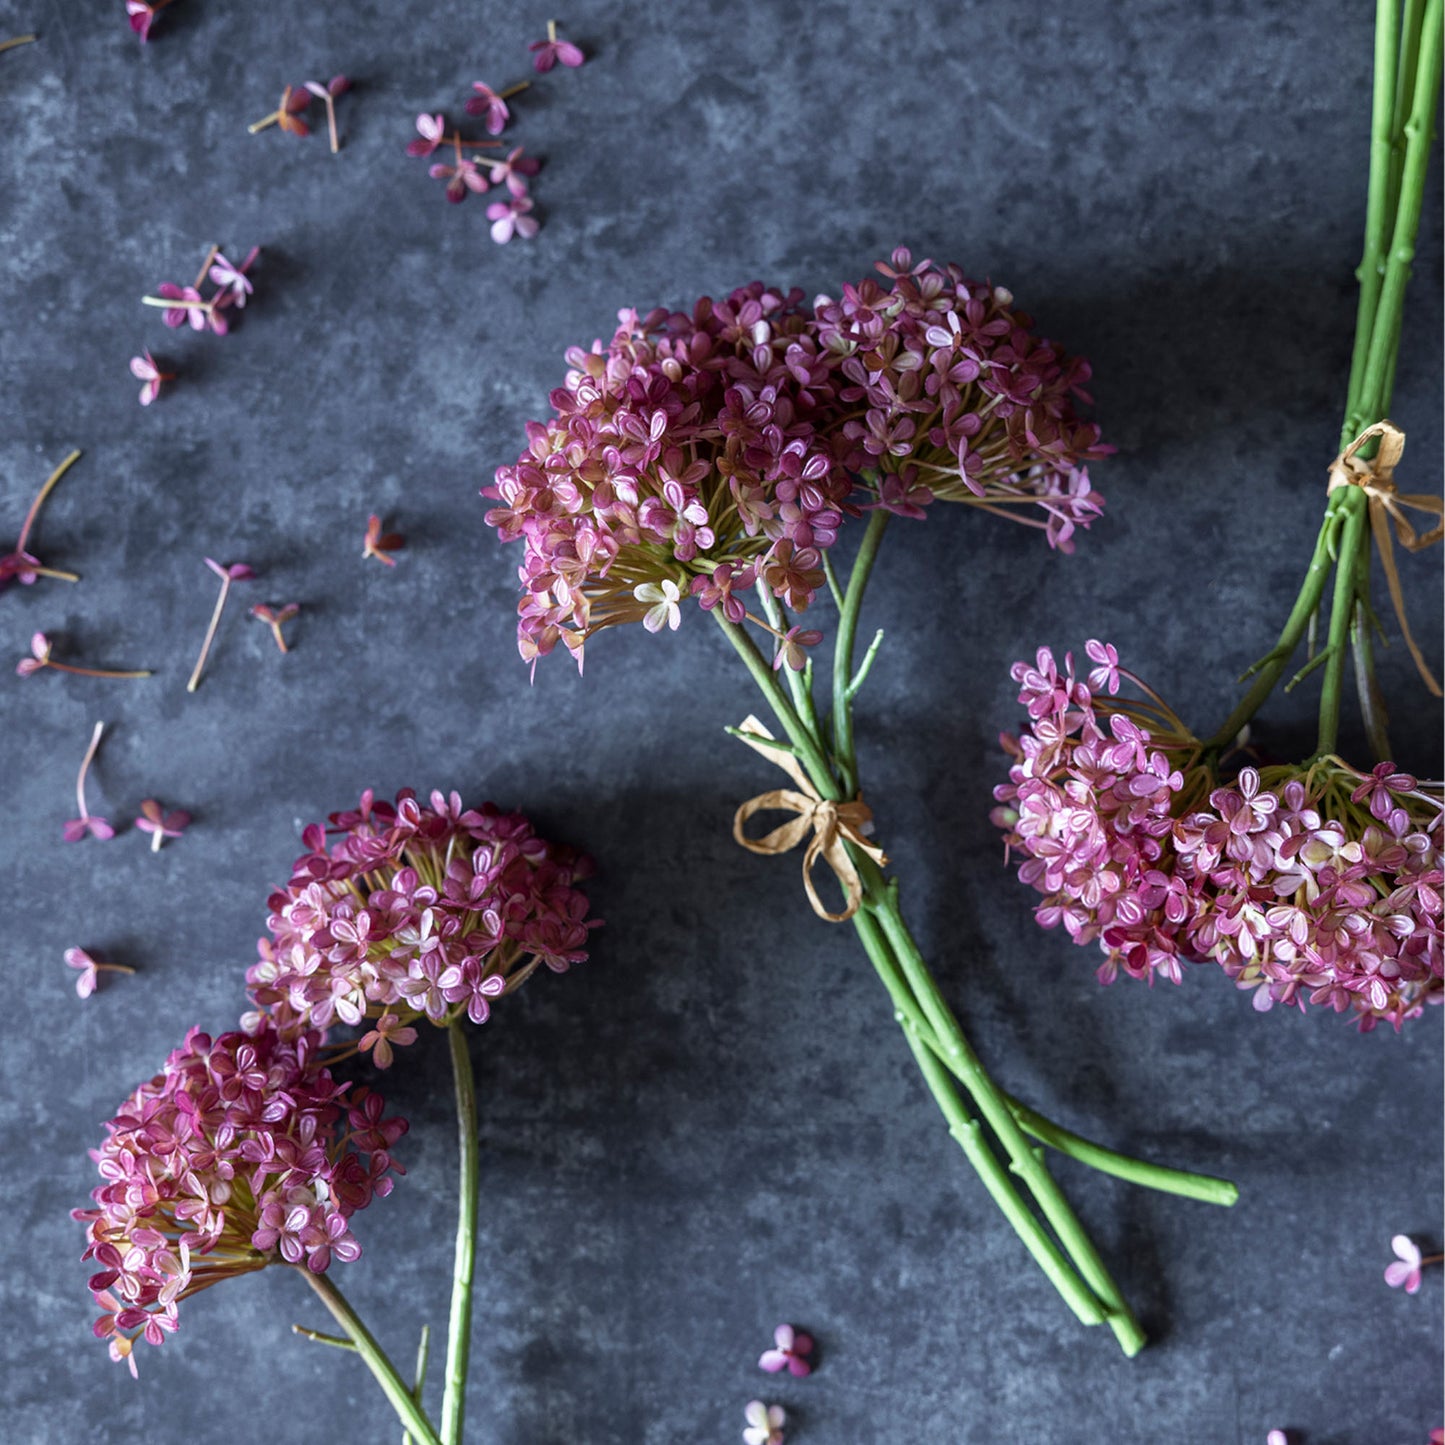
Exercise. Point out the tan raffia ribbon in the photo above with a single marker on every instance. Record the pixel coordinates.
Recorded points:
(1377, 480)
(832, 825)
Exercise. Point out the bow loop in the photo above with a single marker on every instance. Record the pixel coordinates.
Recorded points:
(833, 826)
(1376, 479)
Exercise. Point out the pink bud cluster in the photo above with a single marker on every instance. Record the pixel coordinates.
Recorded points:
(242, 1152)
(701, 453)
(414, 912)
(1316, 884)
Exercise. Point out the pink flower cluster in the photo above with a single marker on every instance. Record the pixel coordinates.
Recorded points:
(415, 911)
(702, 453)
(231, 285)
(1315, 884)
(242, 1152)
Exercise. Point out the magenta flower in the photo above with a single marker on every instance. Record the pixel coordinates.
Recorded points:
(40, 658)
(189, 306)
(232, 280)
(1106, 675)
(493, 104)
(511, 218)
(142, 15)
(275, 618)
(431, 130)
(23, 566)
(791, 645)
(546, 53)
(77, 828)
(144, 368)
(168, 1220)
(790, 1351)
(326, 94)
(235, 572)
(161, 825)
(765, 1423)
(1301, 896)
(90, 970)
(461, 176)
(380, 544)
(414, 912)
(513, 171)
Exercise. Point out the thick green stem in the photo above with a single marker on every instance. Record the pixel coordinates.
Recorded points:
(1025, 1160)
(970, 1137)
(1352, 540)
(395, 1389)
(843, 647)
(459, 1328)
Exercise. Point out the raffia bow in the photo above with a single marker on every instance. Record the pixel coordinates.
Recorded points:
(833, 826)
(1376, 479)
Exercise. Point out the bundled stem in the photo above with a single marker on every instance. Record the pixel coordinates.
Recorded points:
(1407, 70)
(1007, 1163)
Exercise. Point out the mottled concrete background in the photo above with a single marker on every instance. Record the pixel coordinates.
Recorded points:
(713, 1125)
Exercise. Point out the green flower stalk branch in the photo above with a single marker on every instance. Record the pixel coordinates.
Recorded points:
(459, 1329)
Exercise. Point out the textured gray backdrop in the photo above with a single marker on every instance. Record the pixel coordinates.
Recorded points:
(713, 1125)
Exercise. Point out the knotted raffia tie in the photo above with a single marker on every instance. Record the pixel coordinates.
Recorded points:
(832, 825)
(1377, 480)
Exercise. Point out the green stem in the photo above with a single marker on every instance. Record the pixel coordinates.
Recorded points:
(843, 648)
(1024, 1159)
(1372, 702)
(1342, 612)
(1206, 1188)
(459, 1328)
(391, 1383)
(804, 743)
(423, 1353)
(965, 1130)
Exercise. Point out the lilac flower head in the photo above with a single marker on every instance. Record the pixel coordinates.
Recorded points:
(415, 911)
(1281, 876)
(242, 1152)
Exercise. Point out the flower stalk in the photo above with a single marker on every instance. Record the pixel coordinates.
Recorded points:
(364, 1342)
(459, 1328)
(1407, 75)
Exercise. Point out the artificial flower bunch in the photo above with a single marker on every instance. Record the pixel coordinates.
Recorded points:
(1312, 882)
(716, 456)
(247, 1151)
(702, 453)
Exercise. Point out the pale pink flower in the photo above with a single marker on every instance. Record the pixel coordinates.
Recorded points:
(493, 105)
(90, 970)
(431, 132)
(233, 281)
(380, 544)
(514, 170)
(77, 828)
(144, 368)
(765, 1423)
(1404, 1272)
(512, 218)
(663, 610)
(388, 1030)
(790, 1351)
(462, 176)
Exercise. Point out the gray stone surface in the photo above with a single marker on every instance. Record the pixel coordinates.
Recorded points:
(713, 1125)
